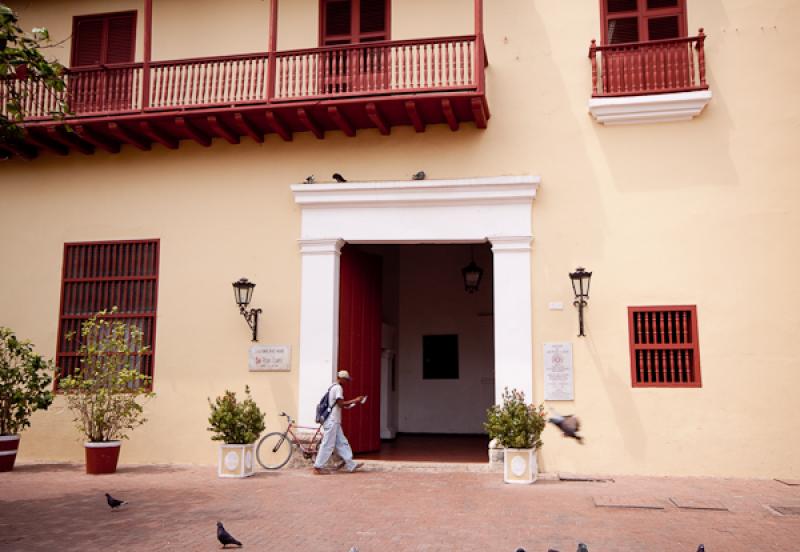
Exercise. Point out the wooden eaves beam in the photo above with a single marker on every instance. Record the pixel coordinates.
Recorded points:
(158, 135)
(341, 121)
(126, 135)
(449, 115)
(221, 129)
(277, 126)
(310, 124)
(377, 119)
(413, 115)
(70, 139)
(46, 143)
(193, 132)
(247, 127)
(92, 137)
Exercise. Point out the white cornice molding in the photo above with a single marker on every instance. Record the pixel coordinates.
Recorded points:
(463, 191)
(510, 243)
(655, 108)
(330, 246)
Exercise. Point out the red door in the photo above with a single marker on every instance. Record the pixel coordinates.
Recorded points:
(360, 345)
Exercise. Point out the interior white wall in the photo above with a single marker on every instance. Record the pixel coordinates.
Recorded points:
(432, 300)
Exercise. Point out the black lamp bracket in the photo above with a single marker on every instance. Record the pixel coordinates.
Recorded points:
(251, 317)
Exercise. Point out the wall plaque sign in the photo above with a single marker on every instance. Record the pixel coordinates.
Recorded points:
(558, 376)
(270, 358)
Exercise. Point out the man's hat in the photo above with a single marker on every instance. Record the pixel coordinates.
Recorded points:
(343, 374)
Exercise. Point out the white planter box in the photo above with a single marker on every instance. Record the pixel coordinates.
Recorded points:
(237, 460)
(519, 466)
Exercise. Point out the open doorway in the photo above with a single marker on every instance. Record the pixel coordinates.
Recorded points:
(430, 373)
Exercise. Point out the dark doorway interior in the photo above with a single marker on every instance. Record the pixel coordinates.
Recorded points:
(429, 447)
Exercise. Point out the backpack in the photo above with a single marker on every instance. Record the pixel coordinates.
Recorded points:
(324, 408)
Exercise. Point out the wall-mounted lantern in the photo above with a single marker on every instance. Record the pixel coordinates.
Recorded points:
(243, 293)
(581, 279)
(472, 274)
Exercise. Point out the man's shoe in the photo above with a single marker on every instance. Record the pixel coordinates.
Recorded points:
(318, 471)
(339, 466)
(356, 467)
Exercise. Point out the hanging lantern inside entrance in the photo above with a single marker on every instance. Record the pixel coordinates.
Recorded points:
(472, 275)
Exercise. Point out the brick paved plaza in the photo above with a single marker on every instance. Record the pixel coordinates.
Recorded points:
(58, 507)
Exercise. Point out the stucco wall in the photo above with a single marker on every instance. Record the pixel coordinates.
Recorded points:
(702, 212)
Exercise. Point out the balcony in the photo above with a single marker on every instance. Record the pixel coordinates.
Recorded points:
(643, 82)
(378, 85)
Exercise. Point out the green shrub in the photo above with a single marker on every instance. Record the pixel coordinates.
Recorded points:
(234, 422)
(25, 380)
(515, 424)
(107, 392)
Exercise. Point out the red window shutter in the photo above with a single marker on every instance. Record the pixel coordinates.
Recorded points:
(659, 28)
(659, 4)
(623, 30)
(664, 346)
(101, 275)
(616, 6)
(338, 17)
(626, 21)
(121, 37)
(101, 39)
(87, 48)
(373, 16)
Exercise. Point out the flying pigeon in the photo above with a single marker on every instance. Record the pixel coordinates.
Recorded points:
(419, 176)
(224, 537)
(309, 179)
(569, 425)
(113, 502)
(339, 178)
(582, 548)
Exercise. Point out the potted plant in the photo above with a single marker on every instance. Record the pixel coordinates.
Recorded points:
(237, 425)
(25, 379)
(106, 394)
(517, 427)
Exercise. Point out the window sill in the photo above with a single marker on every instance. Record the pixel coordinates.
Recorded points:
(656, 108)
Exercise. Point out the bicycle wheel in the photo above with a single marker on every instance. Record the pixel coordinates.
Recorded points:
(274, 450)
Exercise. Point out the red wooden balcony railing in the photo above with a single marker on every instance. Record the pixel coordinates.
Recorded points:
(655, 67)
(389, 67)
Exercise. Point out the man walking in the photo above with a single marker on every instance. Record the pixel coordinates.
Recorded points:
(333, 436)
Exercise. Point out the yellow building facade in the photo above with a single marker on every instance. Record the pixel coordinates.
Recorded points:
(691, 203)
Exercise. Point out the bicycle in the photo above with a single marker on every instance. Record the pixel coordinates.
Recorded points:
(275, 449)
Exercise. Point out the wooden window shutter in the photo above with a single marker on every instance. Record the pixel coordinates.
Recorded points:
(121, 38)
(664, 346)
(373, 16)
(626, 21)
(98, 276)
(87, 40)
(353, 21)
(102, 39)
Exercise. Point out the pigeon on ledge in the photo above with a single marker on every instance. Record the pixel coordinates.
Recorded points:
(225, 538)
(418, 176)
(338, 178)
(569, 425)
(113, 502)
(309, 179)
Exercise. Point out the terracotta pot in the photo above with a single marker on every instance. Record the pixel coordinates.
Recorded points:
(102, 457)
(8, 451)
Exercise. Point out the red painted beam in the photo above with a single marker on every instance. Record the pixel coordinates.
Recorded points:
(449, 115)
(247, 127)
(413, 115)
(45, 143)
(70, 139)
(277, 126)
(221, 129)
(23, 151)
(377, 119)
(158, 135)
(87, 134)
(310, 124)
(126, 135)
(341, 121)
(193, 132)
(479, 113)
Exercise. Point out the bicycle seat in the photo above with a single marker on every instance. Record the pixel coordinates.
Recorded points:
(283, 414)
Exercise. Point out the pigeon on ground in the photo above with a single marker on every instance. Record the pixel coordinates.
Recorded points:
(353, 549)
(224, 537)
(569, 425)
(701, 548)
(309, 179)
(418, 176)
(339, 178)
(582, 548)
(113, 502)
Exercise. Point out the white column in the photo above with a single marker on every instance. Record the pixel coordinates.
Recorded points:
(319, 322)
(513, 360)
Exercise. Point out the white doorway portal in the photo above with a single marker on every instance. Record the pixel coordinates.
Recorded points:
(494, 209)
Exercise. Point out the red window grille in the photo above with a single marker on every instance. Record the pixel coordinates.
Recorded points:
(98, 276)
(103, 38)
(626, 21)
(664, 346)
